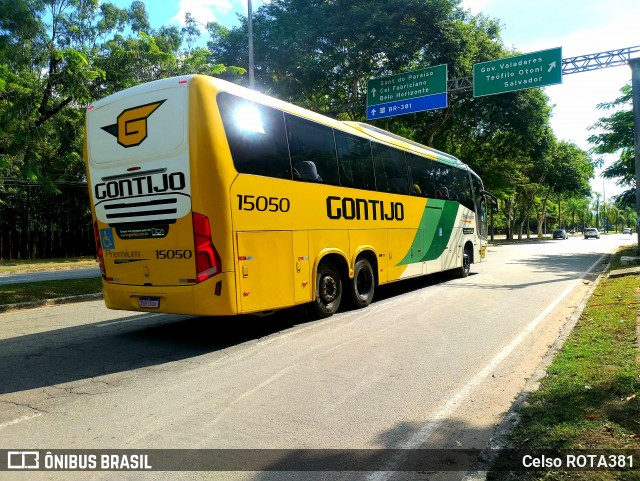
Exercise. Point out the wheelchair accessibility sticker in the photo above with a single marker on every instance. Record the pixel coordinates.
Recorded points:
(106, 238)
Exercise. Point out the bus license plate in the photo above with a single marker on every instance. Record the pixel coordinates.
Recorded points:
(149, 302)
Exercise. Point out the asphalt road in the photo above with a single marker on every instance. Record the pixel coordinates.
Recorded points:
(432, 363)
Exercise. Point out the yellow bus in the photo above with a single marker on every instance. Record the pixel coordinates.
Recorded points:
(212, 199)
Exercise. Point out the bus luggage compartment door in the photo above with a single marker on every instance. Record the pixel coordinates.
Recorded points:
(265, 274)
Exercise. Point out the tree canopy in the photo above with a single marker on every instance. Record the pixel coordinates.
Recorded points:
(321, 54)
(58, 56)
(616, 137)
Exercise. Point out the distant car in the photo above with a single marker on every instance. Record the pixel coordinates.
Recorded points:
(626, 230)
(591, 232)
(560, 234)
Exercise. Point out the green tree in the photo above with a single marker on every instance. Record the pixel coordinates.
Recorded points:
(565, 170)
(47, 74)
(617, 138)
(58, 56)
(614, 215)
(321, 54)
(573, 208)
(587, 214)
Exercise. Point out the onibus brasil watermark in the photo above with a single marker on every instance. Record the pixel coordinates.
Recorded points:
(316, 459)
(49, 461)
(579, 461)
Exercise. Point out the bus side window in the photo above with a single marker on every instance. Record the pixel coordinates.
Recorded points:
(421, 175)
(313, 151)
(463, 188)
(256, 137)
(391, 169)
(355, 161)
(444, 181)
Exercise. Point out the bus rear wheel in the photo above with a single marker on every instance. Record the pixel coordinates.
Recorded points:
(363, 283)
(328, 291)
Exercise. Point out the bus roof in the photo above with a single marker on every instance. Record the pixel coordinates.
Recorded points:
(399, 140)
(354, 128)
(369, 131)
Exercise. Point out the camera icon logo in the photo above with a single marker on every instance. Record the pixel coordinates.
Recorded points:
(23, 460)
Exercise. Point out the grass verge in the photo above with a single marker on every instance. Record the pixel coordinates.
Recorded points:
(590, 398)
(41, 265)
(37, 291)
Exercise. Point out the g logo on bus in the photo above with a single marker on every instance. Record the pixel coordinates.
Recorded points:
(131, 129)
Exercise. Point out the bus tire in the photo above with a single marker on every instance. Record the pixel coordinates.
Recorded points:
(465, 268)
(363, 283)
(328, 291)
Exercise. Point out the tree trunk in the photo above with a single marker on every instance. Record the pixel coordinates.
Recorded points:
(543, 213)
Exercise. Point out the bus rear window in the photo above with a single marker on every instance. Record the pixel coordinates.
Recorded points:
(256, 136)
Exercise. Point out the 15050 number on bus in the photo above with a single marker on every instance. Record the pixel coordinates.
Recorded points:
(174, 254)
(262, 203)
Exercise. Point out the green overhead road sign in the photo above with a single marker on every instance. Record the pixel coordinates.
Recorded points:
(526, 71)
(408, 85)
(407, 92)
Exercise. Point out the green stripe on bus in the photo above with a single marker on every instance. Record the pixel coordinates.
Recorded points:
(429, 239)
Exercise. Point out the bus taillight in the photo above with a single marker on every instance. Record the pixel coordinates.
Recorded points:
(99, 254)
(208, 262)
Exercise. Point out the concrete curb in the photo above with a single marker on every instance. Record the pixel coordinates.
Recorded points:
(50, 302)
(631, 271)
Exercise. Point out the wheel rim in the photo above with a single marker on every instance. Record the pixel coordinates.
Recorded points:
(328, 289)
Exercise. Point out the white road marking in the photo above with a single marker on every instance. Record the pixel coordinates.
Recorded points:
(429, 428)
(19, 420)
(135, 319)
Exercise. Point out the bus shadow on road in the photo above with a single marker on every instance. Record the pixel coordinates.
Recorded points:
(146, 340)
(141, 341)
(569, 263)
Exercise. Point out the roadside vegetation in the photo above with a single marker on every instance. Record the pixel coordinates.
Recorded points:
(590, 397)
(42, 265)
(39, 291)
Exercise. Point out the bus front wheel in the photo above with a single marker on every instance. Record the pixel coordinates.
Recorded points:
(465, 268)
(363, 283)
(328, 291)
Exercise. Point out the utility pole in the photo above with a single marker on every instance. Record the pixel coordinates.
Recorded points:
(604, 211)
(250, 17)
(635, 89)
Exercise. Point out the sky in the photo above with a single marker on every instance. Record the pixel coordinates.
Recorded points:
(580, 27)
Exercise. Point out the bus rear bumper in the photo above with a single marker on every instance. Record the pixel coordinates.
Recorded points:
(213, 297)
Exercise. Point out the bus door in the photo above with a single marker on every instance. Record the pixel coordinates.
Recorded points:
(301, 273)
(265, 270)
(411, 243)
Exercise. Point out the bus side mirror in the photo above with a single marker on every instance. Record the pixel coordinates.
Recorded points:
(493, 200)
